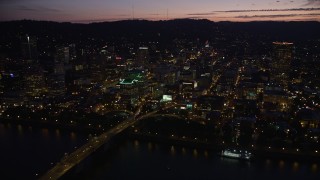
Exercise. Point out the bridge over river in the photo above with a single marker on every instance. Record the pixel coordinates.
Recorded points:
(74, 158)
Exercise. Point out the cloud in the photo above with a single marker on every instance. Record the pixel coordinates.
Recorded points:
(13, 1)
(123, 15)
(193, 17)
(277, 15)
(25, 8)
(312, 3)
(201, 14)
(37, 9)
(272, 10)
(88, 21)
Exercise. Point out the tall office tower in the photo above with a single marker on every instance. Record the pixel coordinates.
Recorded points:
(34, 82)
(72, 52)
(282, 56)
(29, 50)
(56, 80)
(142, 56)
(63, 55)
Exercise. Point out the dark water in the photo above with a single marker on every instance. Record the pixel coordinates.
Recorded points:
(26, 151)
(146, 160)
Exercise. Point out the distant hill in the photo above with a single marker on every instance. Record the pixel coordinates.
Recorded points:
(277, 30)
(167, 30)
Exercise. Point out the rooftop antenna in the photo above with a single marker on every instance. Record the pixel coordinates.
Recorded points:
(167, 14)
(132, 10)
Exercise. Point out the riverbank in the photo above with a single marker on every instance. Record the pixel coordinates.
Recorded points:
(260, 153)
(53, 125)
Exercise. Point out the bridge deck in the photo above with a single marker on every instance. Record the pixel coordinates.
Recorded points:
(84, 151)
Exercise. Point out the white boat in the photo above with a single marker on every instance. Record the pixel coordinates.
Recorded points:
(237, 154)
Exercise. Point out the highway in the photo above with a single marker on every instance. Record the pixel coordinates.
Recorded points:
(71, 160)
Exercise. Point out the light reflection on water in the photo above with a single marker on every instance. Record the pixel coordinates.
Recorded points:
(57, 133)
(172, 150)
(178, 162)
(195, 153)
(35, 150)
(206, 154)
(136, 145)
(150, 148)
(229, 160)
(192, 162)
(281, 164)
(184, 151)
(45, 132)
(295, 166)
(314, 168)
(73, 136)
(268, 163)
(20, 130)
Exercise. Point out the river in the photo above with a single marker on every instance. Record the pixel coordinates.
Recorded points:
(27, 151)
(140, 159)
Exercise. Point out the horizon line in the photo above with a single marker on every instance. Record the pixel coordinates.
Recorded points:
(151, 20)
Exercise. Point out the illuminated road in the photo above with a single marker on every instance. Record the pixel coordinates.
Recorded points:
(71, 160)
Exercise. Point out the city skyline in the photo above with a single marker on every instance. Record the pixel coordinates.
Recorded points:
(161, 99)
(81, 11)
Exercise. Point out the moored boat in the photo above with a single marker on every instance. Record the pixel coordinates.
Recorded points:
(236, 153)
